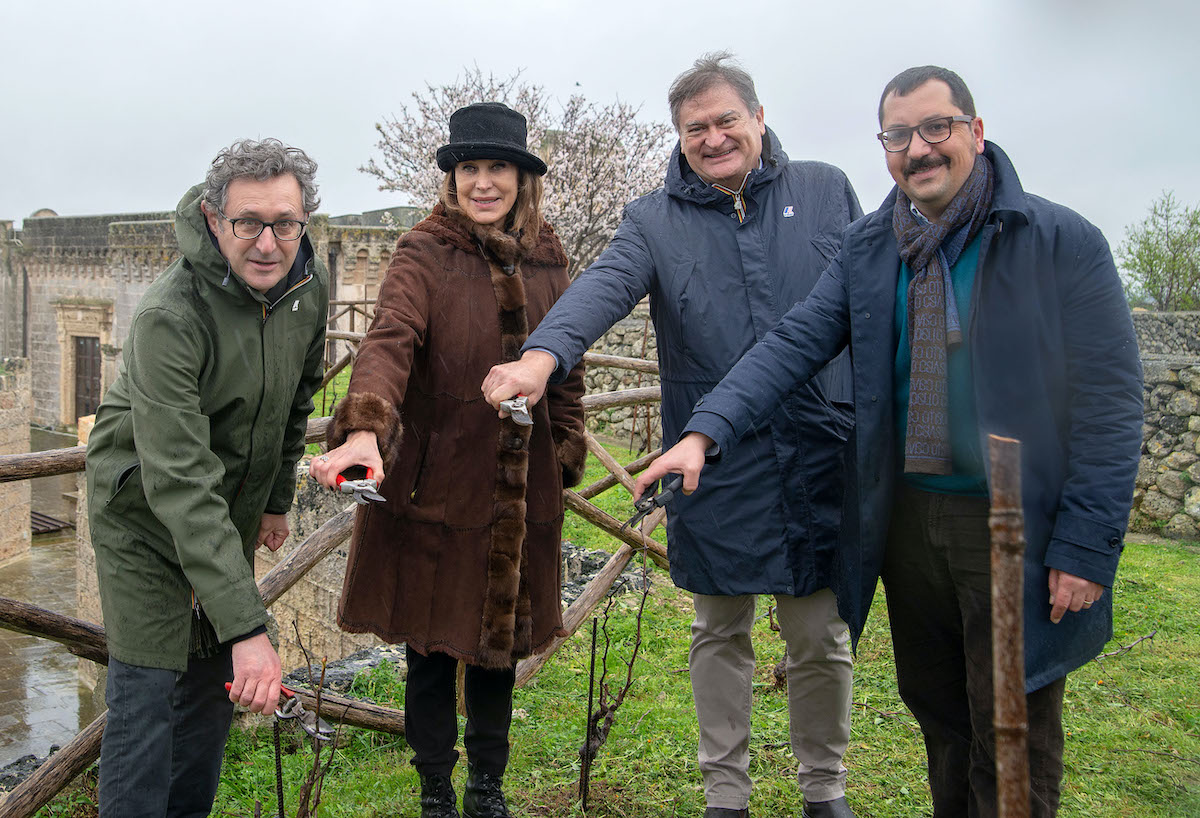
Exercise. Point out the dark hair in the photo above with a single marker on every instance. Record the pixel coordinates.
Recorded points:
(248, 158)
(911, 79)
(704, 74)
(526, 212)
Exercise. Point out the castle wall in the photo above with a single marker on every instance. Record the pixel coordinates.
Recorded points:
(12, 293)
(15, 399)
(86, 273)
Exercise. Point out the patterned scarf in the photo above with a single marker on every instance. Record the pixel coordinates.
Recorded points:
(930, 249)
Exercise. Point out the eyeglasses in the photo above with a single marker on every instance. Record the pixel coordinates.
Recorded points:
(932, 131)
(284, 229)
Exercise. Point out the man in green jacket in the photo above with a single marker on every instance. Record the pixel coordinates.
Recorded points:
(191, 466)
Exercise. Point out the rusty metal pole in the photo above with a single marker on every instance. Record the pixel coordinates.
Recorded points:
(1007, 523)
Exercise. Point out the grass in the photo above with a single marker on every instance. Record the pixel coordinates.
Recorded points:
(1133, 720)
(326, 399)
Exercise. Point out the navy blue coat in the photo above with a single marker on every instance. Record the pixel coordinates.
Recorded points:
(1055, 365)
(769, 520)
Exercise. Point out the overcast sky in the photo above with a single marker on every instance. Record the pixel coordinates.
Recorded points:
(119, 106)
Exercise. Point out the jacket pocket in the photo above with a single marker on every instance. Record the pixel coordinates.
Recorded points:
(126, 488)
(419, 474)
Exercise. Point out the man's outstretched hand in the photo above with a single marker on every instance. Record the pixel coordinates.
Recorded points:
(526, 376)
(686, 457)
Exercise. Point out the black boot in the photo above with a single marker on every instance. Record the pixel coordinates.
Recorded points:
(483, 798)
(437, 797)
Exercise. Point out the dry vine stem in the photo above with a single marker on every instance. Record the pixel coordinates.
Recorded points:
(600, 721)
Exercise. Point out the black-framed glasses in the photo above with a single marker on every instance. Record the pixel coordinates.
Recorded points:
(284, 229)
(932, 131)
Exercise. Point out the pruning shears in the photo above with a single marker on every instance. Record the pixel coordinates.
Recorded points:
(650, 500)
(364, 490)
(518, 409)
(293, 708)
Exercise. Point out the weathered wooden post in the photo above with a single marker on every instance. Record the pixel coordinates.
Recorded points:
(1007, 523)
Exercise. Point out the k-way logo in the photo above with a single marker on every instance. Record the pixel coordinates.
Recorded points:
(789, 211)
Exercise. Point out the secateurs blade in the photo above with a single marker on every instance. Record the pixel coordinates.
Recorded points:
(293, 708)
(363, 490)
(650, 501)
(311, 723)
(518, 409)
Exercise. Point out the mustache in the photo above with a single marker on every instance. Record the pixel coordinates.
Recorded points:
(924, 163)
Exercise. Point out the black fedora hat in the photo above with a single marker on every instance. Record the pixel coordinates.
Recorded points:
(488, 130)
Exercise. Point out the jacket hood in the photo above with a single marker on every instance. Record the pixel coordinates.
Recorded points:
(195, 242)
(1009, 196)
(199, 247)
(684, 183)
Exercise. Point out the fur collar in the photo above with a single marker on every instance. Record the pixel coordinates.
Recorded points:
(541, 249)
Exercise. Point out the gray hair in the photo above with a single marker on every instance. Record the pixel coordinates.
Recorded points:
(911, 79)
(263, 160)
(704, 74)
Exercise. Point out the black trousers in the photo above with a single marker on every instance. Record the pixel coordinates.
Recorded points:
(165, 737)
(937, 576)
(430, 721)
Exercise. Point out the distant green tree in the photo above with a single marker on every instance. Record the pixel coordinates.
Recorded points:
(1161, 257)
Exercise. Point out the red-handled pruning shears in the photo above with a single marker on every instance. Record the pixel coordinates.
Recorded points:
(363, 490)
(292, 708)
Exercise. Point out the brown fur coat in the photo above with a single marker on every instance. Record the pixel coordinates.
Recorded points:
(463, 556)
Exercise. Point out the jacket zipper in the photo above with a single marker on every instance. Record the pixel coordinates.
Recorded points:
(262, 344)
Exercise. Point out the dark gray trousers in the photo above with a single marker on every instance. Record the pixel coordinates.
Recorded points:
(165, 737)
(937, 575)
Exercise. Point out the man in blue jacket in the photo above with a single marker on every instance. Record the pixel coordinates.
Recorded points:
(736, 236)
(971, 308)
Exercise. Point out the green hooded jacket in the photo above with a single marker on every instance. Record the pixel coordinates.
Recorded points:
(197, 437)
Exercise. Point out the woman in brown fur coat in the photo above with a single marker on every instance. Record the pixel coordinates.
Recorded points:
(462, 560)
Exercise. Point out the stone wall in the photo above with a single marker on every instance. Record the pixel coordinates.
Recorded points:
(15, 402)
(358, 257)
(85, 274)
(1166, 499)
(631, 337)
(1167, 333)
(12, 294)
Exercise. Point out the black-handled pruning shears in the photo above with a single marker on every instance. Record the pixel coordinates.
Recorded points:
(363, 490)
(650, 501)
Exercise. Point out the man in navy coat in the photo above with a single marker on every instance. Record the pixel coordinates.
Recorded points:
(971, 308)
(735, 237)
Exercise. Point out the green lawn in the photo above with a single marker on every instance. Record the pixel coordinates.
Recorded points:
(1133, 720)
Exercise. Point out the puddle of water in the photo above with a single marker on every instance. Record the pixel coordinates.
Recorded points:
(42, 700)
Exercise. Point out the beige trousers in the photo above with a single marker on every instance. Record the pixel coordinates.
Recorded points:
(820, 678)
